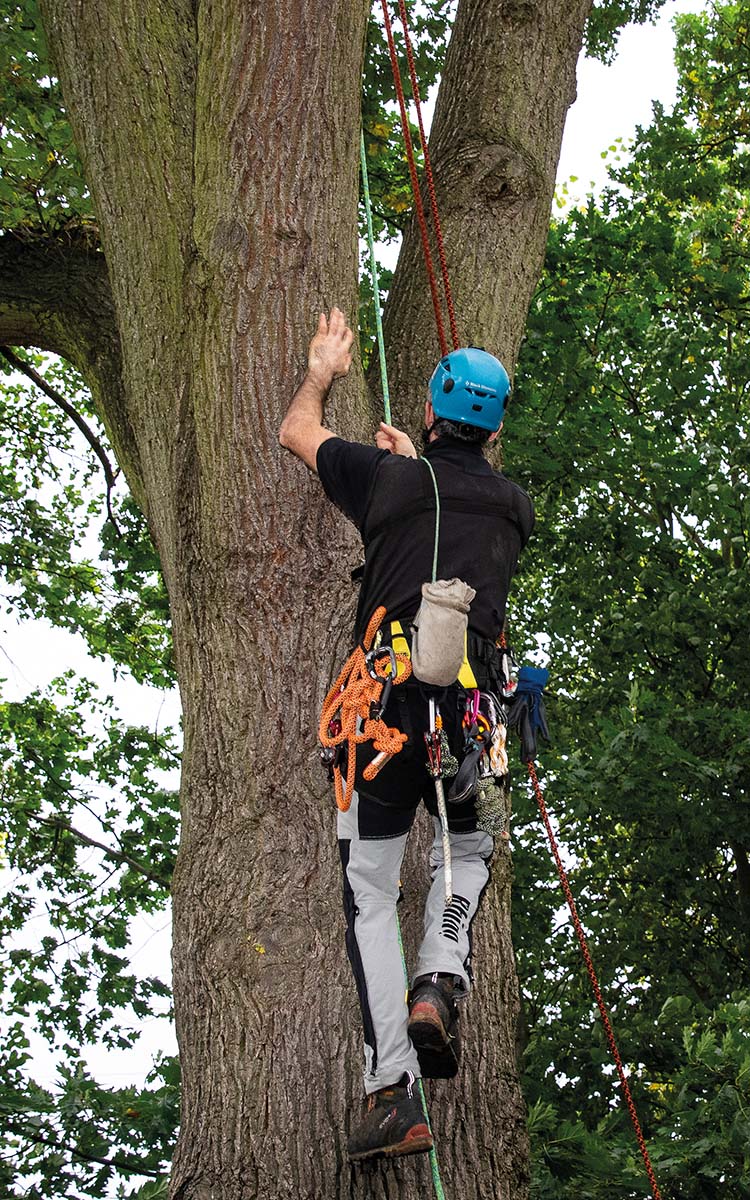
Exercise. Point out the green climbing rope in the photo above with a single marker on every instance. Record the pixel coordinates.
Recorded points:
(375, 280)
(437, 520)
(437, 1182)
(381, 340)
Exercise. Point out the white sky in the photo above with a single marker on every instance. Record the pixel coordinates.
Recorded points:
(611, 102)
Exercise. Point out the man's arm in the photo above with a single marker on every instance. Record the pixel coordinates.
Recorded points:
(329, 357)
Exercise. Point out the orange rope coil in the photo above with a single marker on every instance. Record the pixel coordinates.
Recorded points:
(353, 693)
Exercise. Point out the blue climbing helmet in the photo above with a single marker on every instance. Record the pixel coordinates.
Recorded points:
(471, 387)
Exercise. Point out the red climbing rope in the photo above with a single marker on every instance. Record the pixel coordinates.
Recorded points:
(594, 982)
(609, 1032)
(429, 176)
(415, 181)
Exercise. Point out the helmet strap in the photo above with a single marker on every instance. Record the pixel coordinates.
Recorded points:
(426, 432)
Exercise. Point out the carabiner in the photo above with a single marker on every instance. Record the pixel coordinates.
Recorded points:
(377, 707)
(372, 657)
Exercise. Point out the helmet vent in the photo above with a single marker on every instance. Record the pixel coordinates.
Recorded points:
(477, 407)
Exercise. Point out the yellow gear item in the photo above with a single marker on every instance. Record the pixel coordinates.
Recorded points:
(466, 676)
(398, 641)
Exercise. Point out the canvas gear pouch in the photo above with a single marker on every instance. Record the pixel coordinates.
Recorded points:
(439, 631)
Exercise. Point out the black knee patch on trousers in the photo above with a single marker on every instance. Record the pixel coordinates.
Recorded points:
(470, 930)
(355, 958)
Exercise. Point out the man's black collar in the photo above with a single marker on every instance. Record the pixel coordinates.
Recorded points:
(448, 447)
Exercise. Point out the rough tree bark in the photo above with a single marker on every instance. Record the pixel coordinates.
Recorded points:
(509, 79)
(220, 145)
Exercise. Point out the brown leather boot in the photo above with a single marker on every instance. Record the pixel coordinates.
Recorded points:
(433, 1025)
(394, 1123)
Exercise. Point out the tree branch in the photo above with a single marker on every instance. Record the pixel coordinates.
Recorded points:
(742, 866)
(19, 364)
(495, 142)
(694, 537)
(55, 295)
(118, 856)
(120, 1164)
(389, 219)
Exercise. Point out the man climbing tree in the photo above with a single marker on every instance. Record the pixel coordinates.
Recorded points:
(478, 521)
(219, 148)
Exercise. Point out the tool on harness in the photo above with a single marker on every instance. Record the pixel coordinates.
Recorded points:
(331, 756)
(361, 688)
(509, 667)
(527, 713)
(449, 761)
(497, 718)
(377, 707)
(477, 728)
(434, 741)
(492, 807)
(498, 753)
(439, 637)
(465, 783)
(493, 797)
(484, 767)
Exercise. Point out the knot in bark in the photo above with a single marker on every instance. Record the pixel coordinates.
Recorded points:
(478, 174)
(518, 12)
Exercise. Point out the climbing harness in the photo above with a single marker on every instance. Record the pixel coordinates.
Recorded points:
(352, 712)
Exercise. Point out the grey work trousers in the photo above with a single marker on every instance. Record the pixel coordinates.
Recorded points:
(372, 867)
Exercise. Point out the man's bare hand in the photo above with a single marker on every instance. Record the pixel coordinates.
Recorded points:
(329, 356)
(389, 438)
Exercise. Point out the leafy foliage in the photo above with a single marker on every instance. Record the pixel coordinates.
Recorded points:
(699, 1142)
(88, 829)
(41, 180)
(639, 330)
(119, 605)
(632, 426)
(76, 1141)
(607, 18)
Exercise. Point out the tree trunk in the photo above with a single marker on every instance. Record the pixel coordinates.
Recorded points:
(509, 79)
(220, 143)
